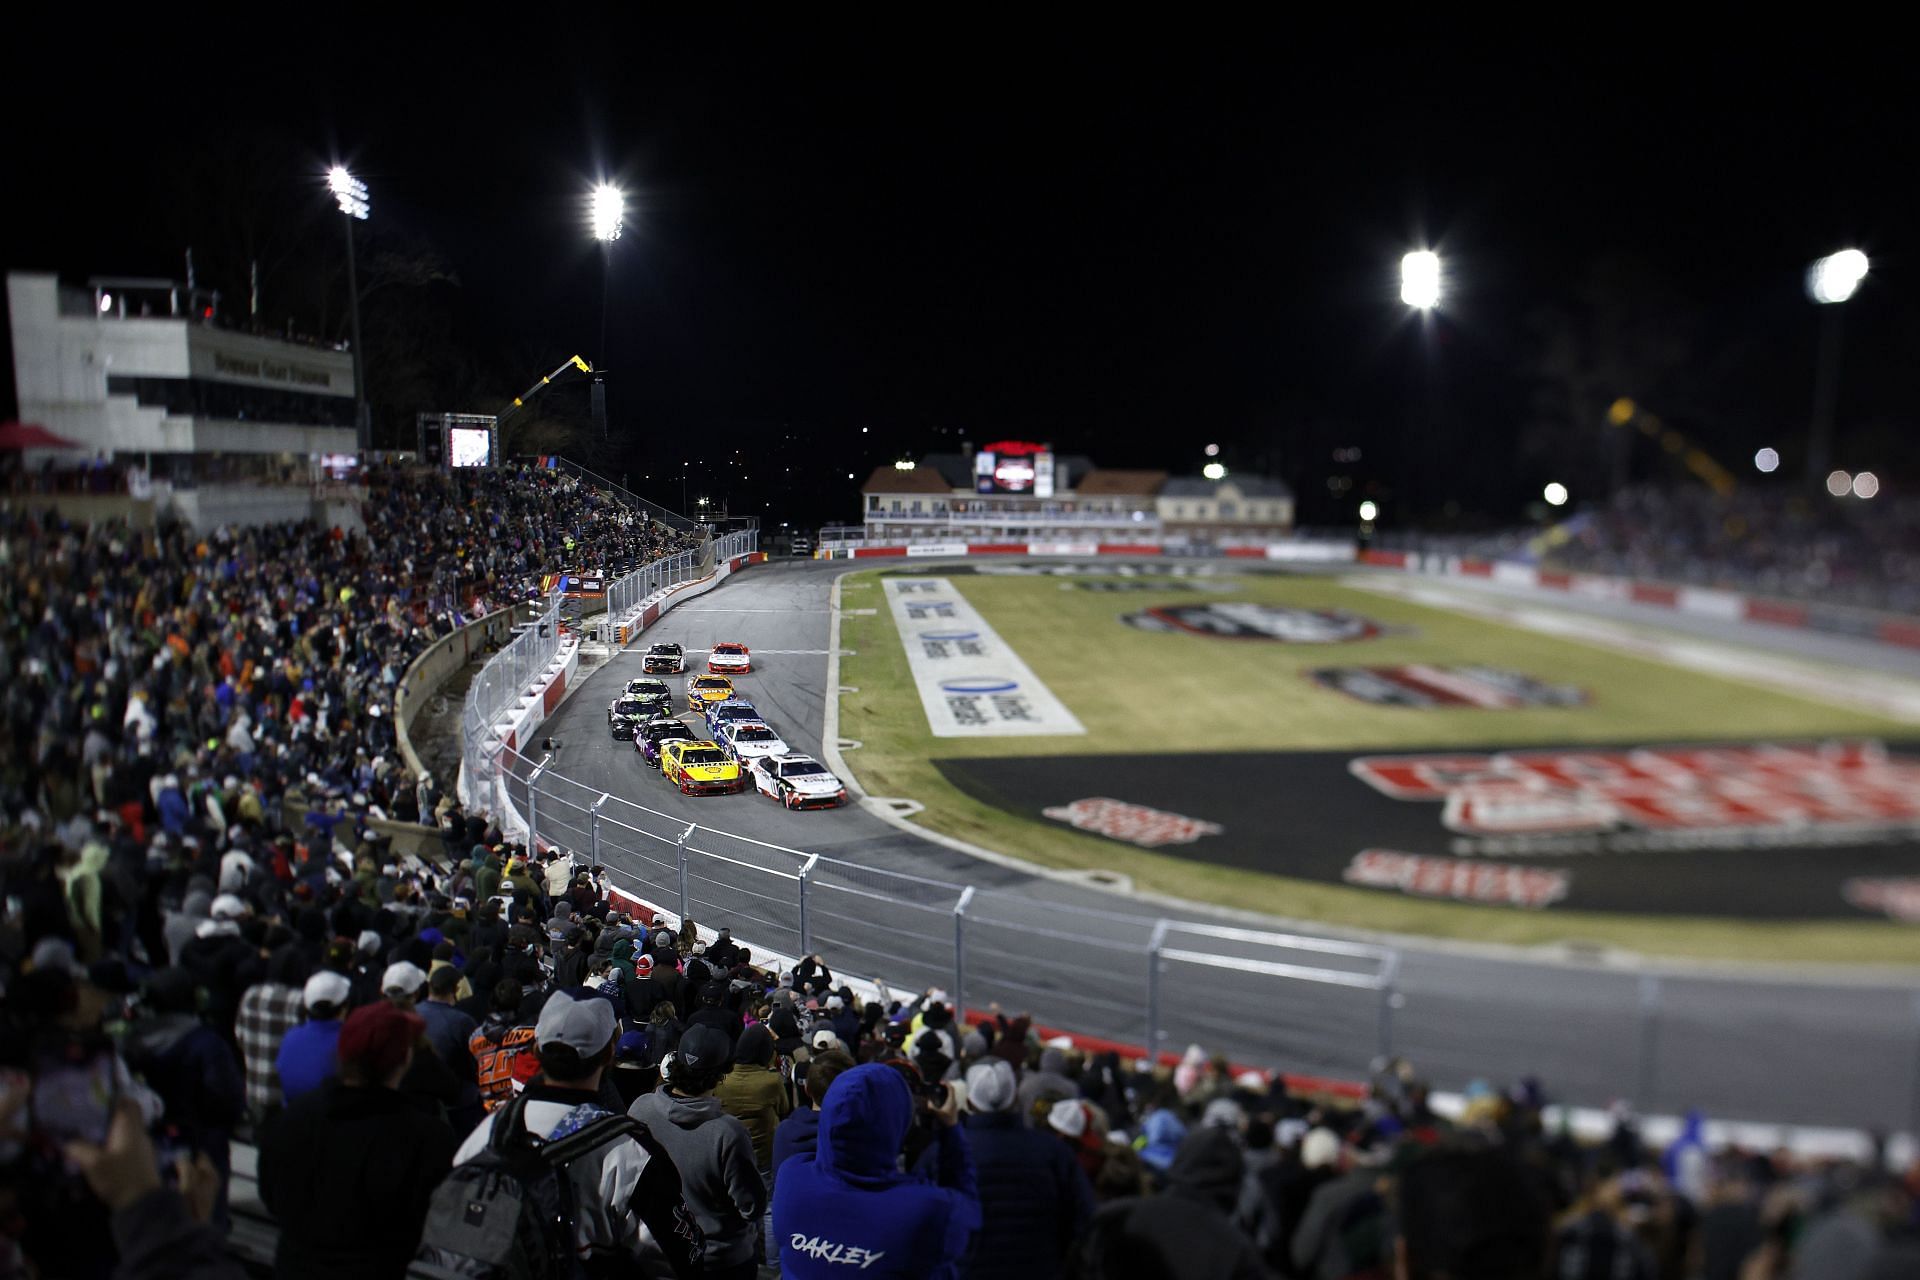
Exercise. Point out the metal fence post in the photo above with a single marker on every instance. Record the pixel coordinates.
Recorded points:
(960, 953)
(1389, 977)
(533, 794)
(593, 811)
(1650, 999)
(1154, 945)
(680, 842)
(806, 937)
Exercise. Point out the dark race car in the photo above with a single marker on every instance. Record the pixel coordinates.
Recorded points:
(652, 735)
(664, 660)
(653, 695)
(625, 714)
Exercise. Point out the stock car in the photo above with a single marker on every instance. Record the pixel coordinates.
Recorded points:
(700, 767)
(720, 714)
(654, 693)
(623, 714)
(749, 740)
(702, 690)
(664, 660)
(796, 781)
(650, 737)
(730, 658)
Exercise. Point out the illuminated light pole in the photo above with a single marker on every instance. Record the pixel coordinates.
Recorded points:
(351, 193)
(607, 208)
(1420, 289)
(1830, 281)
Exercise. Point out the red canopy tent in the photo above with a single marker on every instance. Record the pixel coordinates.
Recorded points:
(15, 436)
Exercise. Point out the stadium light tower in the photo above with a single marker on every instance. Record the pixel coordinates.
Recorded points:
(1830, 281)
(1420, 280)
(351, 194)
(607, 209)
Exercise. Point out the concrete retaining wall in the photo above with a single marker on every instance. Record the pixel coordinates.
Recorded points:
(435, 667)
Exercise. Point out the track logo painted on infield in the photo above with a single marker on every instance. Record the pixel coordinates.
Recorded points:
(1238, 620)
(1421, 685)
(972, 684)
(1133, 823)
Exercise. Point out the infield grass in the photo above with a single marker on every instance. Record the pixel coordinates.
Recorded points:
(1145, 691)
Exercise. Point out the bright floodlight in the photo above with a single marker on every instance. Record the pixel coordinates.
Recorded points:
(609, 206)
(1368, 511)
(1836, 276)
(1420, 280)
(1555, 494)
(106, 303)
(1866, 484)
(1838, 483)
(349, 191)
(1214, 471)
(1767, 461)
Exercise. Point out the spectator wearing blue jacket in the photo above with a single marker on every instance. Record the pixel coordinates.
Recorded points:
(848, 1210)
(307, 1053)
(1034, 1197)
(799, 1133)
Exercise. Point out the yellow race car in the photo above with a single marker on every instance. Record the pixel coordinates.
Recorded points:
(704, 689)
(700, 768)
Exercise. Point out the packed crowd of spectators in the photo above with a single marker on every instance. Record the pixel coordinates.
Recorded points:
(1771, 542)
(385, 1031)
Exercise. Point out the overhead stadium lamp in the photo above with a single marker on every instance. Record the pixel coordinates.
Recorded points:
(1420, 280)
(609, 207)
(1835, 277)
(1767, 461)
(1368, 511)
(1214, 471)
(350, 192)
(1555, 494)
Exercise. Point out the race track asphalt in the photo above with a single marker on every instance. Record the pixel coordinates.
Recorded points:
(1841, 1051)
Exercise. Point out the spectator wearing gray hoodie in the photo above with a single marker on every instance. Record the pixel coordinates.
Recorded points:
(712, 1151)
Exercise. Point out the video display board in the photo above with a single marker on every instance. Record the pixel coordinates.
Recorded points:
(1014, 466)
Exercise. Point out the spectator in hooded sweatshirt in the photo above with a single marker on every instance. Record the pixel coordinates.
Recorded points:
(348, 1168)
(798, 1132)
(306, 1059)
(192, 1069)
(1034, 1197)
(1185, 1233)
(712, 1151)
(848, 1210)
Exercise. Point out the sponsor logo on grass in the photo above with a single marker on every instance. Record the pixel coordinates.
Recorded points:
(1897, 898)
(1242, 621)
(1104, 569)
(971, 682)
(1460, 879)
(1429, 686)
(1662, 797)
(1133, 823)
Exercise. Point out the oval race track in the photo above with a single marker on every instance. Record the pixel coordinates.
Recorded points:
(1764, 1048)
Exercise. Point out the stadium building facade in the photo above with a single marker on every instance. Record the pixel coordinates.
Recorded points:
(983, 497)
(218, 425)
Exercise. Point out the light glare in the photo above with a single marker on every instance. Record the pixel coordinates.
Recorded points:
(1368, 511)
(1866, 484)
(1213, 451)
(1835, 277)
(609, 208)
(1838, 483)
(1214, 471)
(349, 192)
(1555, 494)
(106, 303)
(1767, 461)
(1420, 279)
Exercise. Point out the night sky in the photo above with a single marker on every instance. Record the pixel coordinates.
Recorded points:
(1127, 243)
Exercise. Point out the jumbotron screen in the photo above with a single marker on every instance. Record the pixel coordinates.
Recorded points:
(469, 446)
(1014, 466)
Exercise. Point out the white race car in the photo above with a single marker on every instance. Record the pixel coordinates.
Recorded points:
(664, 660)
(798, 782)
(749, 740)
(729, 659)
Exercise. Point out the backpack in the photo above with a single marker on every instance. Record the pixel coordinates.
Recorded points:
(508, 1213)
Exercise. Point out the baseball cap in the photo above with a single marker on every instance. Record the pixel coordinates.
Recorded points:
(643, 966)
(325, 987)
(824, 1039)
(584, 1024)
(227, 907)
(990, 1085)
(1319, 1148)
(703, 1048)
(376, 1037)
(403, 978)
(1067, 1116)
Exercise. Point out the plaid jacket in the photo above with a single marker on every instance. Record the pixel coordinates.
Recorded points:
(267, 1012)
